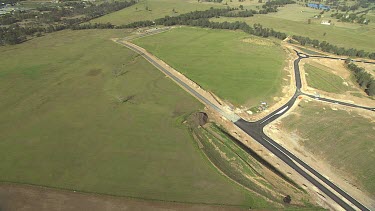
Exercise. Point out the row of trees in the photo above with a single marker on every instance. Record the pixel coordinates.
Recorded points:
(184, 18)
(15, 34)
(201, 18)
(363, 78)
(211, 13)
(277, 3)
(271, 6)
(352, 18)
(327, 47)
(48, 15)
(215, 1)
(93, 26)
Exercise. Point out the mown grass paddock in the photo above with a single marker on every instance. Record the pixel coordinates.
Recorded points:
(232, 64)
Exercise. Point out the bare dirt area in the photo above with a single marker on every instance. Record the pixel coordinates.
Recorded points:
(338, 68)
(293, 142)
(29, 198)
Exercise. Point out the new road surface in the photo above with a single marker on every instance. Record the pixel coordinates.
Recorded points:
(255, 130)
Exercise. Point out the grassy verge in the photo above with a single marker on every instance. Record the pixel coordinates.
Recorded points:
(79, 112)
(235, 66)
(310, 52)
(320, 78)
(346, 140)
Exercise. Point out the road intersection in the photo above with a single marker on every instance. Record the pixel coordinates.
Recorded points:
(255, 129)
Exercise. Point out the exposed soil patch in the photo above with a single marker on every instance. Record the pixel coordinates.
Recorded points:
(94, 72)
(199, 118)
(258, 42)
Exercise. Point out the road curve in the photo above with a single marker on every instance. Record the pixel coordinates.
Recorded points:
(255, 130)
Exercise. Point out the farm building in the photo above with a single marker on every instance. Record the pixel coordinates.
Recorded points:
(324, 22)
(318, 6)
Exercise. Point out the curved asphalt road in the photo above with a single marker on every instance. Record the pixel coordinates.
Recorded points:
(255, 130)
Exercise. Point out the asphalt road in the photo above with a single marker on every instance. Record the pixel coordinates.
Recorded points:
(255, 130)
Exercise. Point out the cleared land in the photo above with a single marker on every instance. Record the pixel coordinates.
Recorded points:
(82, 113)
(224, 62)
(292, 21)
(344, 139)
(319, 77)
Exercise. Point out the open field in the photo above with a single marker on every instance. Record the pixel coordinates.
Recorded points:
(159, 9)
(162, 8)
(320, 77)
(344, 139)
(292, 21)
(79, 112)
(230, 64)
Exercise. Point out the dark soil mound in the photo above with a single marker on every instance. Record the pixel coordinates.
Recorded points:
(199, 118)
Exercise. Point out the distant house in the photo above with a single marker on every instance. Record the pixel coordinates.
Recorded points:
(324, 22)
(318, 6)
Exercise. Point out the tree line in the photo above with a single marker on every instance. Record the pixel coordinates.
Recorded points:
(363, 78)
(271, 6)
(47, 20)
(201, 19)
(329, 48)
(351, 18)
(183, 18)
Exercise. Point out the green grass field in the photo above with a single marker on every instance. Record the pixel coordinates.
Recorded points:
(162, 8)
(346, 140)
(320, 77)
(65, 122)
(159, 9)
(219, 60)
(292, 21)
